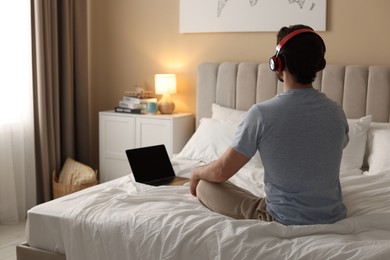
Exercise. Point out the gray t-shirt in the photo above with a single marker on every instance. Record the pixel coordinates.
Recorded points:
(300, 135)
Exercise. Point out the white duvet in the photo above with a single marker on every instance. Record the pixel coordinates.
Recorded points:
(132, 221)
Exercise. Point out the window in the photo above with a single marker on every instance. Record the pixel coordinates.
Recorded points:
(15, 61)
(17, 160)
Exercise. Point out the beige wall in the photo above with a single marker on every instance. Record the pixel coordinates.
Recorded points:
(131, 40)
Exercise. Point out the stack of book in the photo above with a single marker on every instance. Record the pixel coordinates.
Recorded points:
(134, 103)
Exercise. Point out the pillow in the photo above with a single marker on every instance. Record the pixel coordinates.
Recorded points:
(378, 144)
(353, 153)
(227, 114)
(210, 140)
(76, 173)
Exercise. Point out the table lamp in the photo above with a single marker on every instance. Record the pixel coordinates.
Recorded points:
(165, 84)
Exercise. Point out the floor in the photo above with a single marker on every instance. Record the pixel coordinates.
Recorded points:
(10, 236)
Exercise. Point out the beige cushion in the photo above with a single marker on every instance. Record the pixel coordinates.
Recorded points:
(76, 173)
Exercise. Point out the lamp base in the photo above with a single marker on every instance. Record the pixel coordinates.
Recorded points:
(166, 105)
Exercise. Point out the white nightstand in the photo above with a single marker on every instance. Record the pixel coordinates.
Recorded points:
(119, 132)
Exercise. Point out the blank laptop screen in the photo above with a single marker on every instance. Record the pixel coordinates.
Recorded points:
(150, 163)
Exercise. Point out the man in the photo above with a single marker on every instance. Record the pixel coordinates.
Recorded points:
(300, 135)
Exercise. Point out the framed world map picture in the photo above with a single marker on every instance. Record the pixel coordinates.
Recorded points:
(198, 16)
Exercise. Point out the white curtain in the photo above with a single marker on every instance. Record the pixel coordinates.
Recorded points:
(17, 160)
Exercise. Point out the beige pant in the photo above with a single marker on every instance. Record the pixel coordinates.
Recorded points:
(230, 200)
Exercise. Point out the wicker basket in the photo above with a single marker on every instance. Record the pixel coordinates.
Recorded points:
(60, 189)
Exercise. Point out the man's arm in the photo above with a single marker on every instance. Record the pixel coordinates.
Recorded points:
(220, 170)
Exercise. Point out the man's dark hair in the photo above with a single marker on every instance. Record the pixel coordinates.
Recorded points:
(303, 55)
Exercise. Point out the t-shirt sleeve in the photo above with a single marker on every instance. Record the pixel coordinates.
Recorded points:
(247, 137)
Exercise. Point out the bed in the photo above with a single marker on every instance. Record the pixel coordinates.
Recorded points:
(122, 219)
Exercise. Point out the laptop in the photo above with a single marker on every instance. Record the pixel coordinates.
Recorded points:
(151, 165)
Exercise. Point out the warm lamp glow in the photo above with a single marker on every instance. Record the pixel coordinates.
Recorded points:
(165, 84)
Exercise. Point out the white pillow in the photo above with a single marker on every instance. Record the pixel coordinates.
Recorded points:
(353, 154)
(378, 143)
(227, 114)
(210, 140)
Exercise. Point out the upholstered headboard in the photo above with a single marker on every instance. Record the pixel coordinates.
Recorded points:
(361, 90)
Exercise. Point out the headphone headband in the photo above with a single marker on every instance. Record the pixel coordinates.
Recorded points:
(291, 35)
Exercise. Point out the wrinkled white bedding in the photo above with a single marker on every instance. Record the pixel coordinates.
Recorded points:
(127, 220)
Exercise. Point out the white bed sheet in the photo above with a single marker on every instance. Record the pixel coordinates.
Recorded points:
(125, 220)
(43, 229)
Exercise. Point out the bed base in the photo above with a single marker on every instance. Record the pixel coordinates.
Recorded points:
(25, 252)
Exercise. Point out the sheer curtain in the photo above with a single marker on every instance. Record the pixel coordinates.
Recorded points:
(17, 161)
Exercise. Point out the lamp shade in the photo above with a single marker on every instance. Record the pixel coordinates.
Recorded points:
(165, 83)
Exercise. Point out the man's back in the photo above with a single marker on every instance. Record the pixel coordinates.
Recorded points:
(300, 137)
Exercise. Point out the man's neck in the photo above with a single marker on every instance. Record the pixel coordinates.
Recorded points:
(290, 83)
(296, 85)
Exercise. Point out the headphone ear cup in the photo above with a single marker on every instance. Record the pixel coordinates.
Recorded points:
(273, 63)
(276, 63)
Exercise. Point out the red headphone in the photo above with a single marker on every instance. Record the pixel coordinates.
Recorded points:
(276, 62)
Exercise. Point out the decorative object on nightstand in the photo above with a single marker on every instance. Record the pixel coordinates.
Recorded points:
(165, 84)
(151, 108)
(134, 101)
